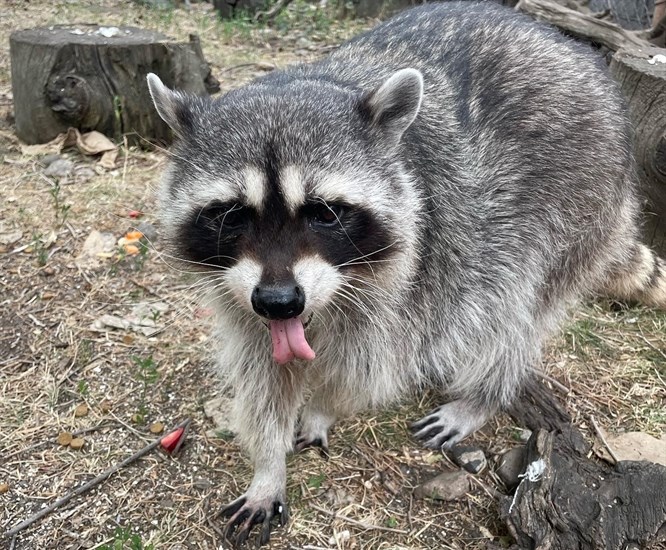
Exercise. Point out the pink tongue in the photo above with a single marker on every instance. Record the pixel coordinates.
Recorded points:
(289, 341)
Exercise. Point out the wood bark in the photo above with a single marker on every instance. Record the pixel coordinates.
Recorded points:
(74, 76)
(581, 25)
(578, 502)
(644, 85)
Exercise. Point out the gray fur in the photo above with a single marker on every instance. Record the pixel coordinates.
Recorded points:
(510, 195)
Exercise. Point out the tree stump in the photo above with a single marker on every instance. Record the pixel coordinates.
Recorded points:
(644, 86)
(94, 78)
(574, 501)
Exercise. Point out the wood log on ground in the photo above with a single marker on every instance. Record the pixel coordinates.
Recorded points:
(94, 78)
(582, 25)
(575, 502)
(643, 81)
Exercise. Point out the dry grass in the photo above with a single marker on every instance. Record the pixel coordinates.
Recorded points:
(52, 358)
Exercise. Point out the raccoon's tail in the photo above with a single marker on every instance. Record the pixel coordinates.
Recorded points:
(641, 279)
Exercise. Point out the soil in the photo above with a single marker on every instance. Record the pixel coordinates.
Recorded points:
(59, 351)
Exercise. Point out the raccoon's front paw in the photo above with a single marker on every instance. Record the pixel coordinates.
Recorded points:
(449, 424)
(246, 512)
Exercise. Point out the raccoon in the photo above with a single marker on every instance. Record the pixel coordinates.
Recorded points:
(418, 209)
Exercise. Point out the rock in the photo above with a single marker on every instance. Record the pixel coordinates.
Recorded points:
(471, 459)
(84, 173)
(60, 168)
(636, 446)
(450, 485)
(304, 43)
(149, 231)
(9, 236)
(511, 465)
(202, 483)
(96, 246)
(47, 160)
(219, 411)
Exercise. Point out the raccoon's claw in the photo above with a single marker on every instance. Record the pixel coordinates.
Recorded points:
(449, 424)
(434, 436)
(243, 516)
(303, 443)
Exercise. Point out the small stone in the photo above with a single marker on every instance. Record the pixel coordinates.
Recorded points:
(81, 410)
(511, 465)
(4, 487)
(46, 160)
(95, 246)
(60, 168)
(202, 484)
(48, 271)
(265, 66)
(77, 443)
(149, 231)
(450, 485)
(83, 174)
(156, 428)
(471, 459)
(219, 411)
(64, 438)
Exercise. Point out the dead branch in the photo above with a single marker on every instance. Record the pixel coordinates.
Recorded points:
(581, 25)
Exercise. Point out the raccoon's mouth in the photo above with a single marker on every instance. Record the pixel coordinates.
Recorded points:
(289, 342)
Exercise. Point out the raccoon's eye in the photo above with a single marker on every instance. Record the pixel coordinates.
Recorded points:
(229, 216)
(325, 215)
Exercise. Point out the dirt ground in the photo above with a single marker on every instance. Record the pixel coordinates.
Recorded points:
(64, 368)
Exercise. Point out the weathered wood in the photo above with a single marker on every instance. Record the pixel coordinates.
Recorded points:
(577, 502)
(644, 86)
(583, 26)
(75, 76)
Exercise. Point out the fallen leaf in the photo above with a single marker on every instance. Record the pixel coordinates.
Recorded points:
(81, 410)
(64, 438)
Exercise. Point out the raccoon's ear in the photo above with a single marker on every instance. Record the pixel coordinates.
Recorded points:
(171, 106)
(393, 106)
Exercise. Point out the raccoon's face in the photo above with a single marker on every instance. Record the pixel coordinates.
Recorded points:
(294, 195)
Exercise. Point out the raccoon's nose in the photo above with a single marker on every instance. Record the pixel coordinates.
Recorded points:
(278, 302)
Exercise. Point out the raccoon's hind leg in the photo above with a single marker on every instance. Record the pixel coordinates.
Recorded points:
(642, 278)
(452, 422)
(313, 430)
(317, 417)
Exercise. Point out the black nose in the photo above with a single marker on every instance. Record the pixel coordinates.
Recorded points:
(278, 302)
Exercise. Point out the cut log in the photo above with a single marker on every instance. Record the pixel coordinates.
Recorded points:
(570, 501)
(643, 82)
(94, 78)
